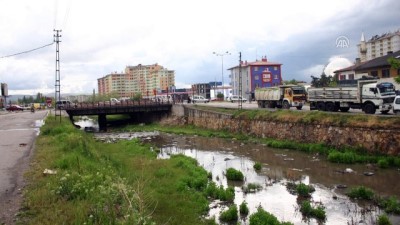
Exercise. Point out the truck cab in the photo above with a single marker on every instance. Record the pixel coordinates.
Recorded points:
(379, 95)
(396, 105)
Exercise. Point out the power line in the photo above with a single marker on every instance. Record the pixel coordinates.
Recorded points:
(19, 53)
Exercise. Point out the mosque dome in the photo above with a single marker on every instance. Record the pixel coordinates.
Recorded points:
(336, 63)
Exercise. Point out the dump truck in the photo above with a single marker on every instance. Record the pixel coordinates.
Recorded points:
(283, 96)
(367, 95)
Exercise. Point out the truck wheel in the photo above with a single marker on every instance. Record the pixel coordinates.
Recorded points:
(299, 107)
(321, 106)
(369, 108)
(331, 107)
(286, 105)
(385, 112)
(344, 109)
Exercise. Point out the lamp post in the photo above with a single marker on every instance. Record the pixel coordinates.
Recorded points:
(222, 66)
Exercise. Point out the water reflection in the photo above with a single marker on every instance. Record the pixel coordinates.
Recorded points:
(87, 124)
(280, 167)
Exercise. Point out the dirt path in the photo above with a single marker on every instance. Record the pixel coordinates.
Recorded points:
(18, 131)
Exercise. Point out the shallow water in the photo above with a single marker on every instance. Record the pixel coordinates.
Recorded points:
(280, 167)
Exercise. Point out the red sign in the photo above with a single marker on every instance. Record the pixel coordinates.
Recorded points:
(266, 77)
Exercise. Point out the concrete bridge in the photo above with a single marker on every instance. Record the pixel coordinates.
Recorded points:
(135, 109)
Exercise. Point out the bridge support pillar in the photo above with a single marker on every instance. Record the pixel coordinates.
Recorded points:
(102, 122)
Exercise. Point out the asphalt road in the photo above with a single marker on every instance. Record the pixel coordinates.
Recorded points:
(18, 131)
(253, 105)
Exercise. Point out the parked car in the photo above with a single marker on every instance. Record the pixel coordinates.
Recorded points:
(14, 108)
(396, 105)
(236, 98)
(199, 99)
(62, 104)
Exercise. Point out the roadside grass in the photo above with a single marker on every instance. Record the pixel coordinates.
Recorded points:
(109, 183)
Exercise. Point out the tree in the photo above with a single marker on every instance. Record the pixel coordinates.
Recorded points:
(292, 81)
(323, 81)
(395, 63)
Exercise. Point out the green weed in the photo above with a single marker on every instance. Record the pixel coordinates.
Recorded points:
(361, 193)
(262, 217)
(230, 215)
(308, 211)
(257, 166)
(243, 209)
(233, 174)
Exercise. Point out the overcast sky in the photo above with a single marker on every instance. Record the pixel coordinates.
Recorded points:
(101, 37)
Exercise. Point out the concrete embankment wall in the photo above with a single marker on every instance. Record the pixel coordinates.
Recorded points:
(385, 141)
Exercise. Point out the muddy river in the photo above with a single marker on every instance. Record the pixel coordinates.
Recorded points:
(279, 167)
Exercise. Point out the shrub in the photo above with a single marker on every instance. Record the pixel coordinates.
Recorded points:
(229, 215)
(307, 210)
(233, 174)
(390, 205)
(361, 193)
(243, 209)
(262, 217)
(383, 163)
(257, 166)
(304, 190)
(219, 192)
(383, 220)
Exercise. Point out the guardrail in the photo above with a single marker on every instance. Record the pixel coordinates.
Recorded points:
(109, 104)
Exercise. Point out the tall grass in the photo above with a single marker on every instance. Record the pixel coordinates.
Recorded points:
(109, 183)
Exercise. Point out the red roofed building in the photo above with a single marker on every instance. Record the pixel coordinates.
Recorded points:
(255, 74)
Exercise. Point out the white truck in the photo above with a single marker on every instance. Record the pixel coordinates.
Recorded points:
(368, 95)
(396, 105)
(283, 96)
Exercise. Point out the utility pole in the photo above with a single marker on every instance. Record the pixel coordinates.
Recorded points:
(57, 96)
(240, 103)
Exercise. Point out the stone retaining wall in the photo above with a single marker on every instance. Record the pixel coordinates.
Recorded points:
(373, 140)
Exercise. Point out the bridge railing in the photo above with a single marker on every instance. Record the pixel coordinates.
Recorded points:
(124, 103)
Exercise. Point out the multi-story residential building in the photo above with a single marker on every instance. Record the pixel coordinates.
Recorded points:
(255, 74)
(143, 79)
(378, 45)
(112, 83)
(202, 89)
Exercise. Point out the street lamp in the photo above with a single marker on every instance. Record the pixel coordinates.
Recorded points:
(222, 64)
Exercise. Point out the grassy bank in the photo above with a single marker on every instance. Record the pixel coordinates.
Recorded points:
(102, 183)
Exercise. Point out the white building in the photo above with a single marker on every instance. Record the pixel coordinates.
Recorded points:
(378, 45)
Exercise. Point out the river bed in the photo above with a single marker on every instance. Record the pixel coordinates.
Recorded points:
(279, 167)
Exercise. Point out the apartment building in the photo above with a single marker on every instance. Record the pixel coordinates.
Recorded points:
(378, 45)
(143, 79)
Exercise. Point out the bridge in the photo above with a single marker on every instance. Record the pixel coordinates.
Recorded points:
(139, 108)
